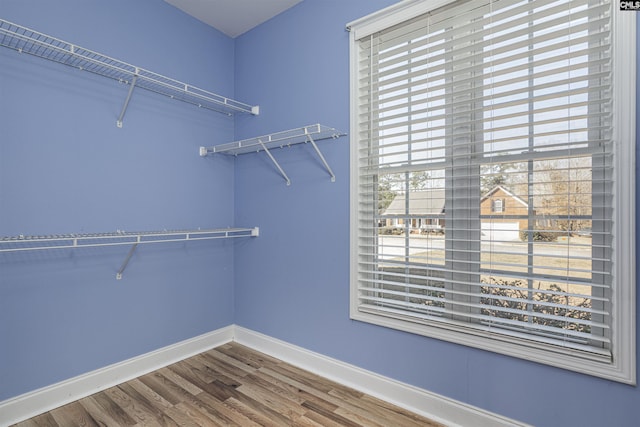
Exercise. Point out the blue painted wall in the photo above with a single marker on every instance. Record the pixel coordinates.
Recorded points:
(66, 168)
(293, 282)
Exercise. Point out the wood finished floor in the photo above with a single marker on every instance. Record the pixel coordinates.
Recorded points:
(230, 385)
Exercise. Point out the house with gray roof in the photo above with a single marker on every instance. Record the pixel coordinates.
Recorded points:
(424, 209)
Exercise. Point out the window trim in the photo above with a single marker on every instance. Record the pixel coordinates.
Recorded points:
(623, 366)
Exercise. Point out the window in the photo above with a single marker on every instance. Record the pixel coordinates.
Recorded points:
(498, 205)
(460, 109)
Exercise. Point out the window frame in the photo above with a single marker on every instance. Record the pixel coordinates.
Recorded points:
(622, 368)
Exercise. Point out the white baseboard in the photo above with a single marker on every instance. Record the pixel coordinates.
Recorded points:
(439, 408)
(45, 399)
(436, 407)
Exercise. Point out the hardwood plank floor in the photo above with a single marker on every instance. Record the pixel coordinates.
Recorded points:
(231, 385)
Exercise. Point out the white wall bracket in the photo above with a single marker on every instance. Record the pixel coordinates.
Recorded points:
(126, 261)
(275, 162)
(322, 159)
(126, 101)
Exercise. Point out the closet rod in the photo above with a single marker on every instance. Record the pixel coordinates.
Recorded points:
(25, 40)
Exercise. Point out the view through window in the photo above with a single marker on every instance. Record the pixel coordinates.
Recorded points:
(486, 172)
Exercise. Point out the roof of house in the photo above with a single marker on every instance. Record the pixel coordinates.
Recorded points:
(505, 190)
(431, 201)
(423, 202)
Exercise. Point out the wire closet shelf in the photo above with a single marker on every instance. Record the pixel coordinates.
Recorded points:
(84, 240)
(302, 135)
(23, 243)
(25, 40)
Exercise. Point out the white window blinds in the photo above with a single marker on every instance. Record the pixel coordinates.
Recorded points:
(485, 174)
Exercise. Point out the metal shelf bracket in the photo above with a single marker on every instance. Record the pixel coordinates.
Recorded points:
(324, 161)
(126, 261)
(126, 101)
(275, 162)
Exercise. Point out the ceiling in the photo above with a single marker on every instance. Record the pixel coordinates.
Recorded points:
(233, 17)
